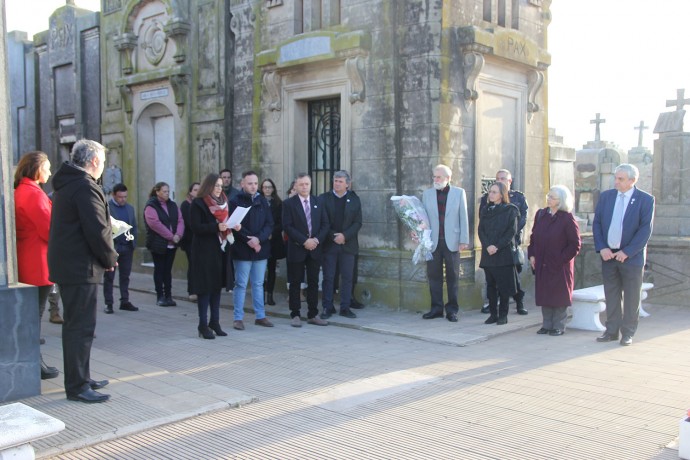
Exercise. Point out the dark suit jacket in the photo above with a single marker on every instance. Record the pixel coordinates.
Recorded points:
(352, 220)
(637, 224)
(295, 225)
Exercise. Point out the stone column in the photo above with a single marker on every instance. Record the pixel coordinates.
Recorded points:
(19, 355)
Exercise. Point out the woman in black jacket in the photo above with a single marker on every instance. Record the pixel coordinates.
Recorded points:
(186, 241)
(268, 189)
(497, 229)
(210, 248)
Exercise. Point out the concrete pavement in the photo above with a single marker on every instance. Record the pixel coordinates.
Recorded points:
(387, 385)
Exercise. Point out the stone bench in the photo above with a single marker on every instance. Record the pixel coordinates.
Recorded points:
(19, 426)
(589, 302)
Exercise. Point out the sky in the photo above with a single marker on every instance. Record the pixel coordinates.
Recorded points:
(621, 58)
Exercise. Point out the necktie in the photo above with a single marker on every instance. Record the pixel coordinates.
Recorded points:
(616, 228)
(307, 213)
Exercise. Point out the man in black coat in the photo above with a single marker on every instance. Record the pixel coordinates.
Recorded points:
(80, 250)
(344, 212)
(306, 225)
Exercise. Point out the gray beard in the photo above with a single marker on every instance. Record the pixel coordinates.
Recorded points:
(440, 186)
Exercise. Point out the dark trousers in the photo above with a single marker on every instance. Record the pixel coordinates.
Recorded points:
(295, 273)
(337, 261)
(124, 268)
(162, 272)
(79, 313)
(204, 301)
(271, 267)
(43, 293)
(190, 287)
(554, 317)
(622, 284)
(434, 272)
(494, 277)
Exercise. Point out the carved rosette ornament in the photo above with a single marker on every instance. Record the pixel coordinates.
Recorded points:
(126, 43)
(535, 79)
(355, 71)
(178, 30)
(472, 65)
(154, 42)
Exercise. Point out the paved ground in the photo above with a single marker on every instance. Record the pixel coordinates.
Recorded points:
(389, 385)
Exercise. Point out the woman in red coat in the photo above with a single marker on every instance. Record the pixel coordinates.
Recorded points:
(554, 243)
(32, 209)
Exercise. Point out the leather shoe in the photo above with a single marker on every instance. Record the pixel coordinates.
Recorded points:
(327, 313)
(357, 305)
(98, 384)
(296, 322)
(485, 309)
(452, 317)
(491, 320)
(556, 332)
(48, 372)
(433, 314)
(317, 321)
(89, 396)
(239, 325)
(502, 320)
(347, 313)
(127, 306)
(626, 340)
(522, 311)
(109, 309)
(543, 330)
(263, 322)
(606, 337)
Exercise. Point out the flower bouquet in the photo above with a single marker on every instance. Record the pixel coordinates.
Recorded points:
(121, 228)
(411, 212)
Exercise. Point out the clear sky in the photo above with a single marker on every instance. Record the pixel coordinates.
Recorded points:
(621, 58)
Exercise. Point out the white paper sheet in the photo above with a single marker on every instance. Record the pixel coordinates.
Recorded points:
(237, 216)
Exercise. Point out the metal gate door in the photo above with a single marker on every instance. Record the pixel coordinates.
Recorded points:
(324, 143)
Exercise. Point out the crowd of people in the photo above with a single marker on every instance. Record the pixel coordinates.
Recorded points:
(234, 238)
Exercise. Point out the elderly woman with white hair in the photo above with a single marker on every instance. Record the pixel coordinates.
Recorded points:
(554, 243)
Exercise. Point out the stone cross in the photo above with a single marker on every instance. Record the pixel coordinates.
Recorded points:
(680, 100)
(642, 127)
(598, 121)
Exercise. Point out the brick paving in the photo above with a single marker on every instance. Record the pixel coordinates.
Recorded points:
(388, 385)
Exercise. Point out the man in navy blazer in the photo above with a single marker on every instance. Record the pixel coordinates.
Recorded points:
(305, 236)
(446, 207)
(622, 227)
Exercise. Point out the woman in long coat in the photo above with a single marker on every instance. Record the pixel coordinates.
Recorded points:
(278, 249)
(210, 248)
(497, 229)
(32, 210)
(554, 243)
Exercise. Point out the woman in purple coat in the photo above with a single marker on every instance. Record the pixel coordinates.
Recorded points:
(554, 243)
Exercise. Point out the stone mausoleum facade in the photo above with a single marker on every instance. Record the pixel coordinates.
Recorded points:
(383, 88)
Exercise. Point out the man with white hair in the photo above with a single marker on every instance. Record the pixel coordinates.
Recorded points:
(621, 229)
(446, 206)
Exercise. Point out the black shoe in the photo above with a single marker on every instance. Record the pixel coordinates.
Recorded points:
(433, 314)
(109, 309)
(502, 320)
(606, 337)
(215, 327)
(543, 331)
(354, 303)
(269, 299)
(161, 302)
(486, 309)
(452, 317)
(89, 396)
(127, 306)
(347, 313)
(170, 302)
(491, 320)
(98, 384)
(206, 333)
(48, 372)
(522, 311)
(327, 313)
(626, 340)
(556, 332)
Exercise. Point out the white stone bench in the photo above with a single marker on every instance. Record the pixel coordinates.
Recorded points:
(19, 426)
(589, 302)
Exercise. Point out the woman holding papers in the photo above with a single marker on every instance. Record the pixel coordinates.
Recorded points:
(211, 242)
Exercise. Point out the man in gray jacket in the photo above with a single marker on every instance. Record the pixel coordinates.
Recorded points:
(446, 206)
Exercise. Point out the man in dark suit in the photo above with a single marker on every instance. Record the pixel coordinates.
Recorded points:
(344, 212)
(80, 250)
(306, 225)
(622, 226)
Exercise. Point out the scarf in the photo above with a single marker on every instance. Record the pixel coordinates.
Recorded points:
(219, 209)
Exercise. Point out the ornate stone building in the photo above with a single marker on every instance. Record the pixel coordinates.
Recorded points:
(383, 88)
